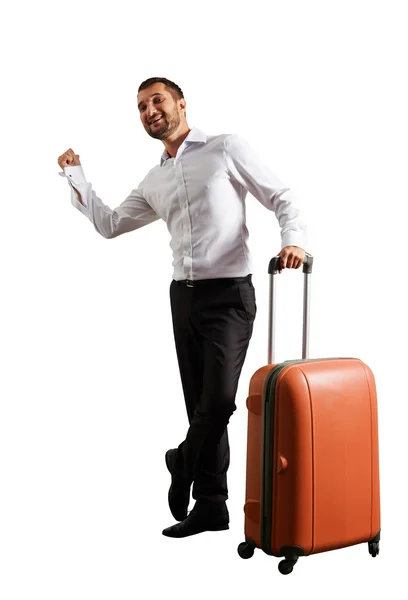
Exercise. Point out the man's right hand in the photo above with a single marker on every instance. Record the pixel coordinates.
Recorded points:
(69, 159)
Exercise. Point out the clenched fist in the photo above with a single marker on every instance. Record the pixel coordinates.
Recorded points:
(291, 257)
(69, 159)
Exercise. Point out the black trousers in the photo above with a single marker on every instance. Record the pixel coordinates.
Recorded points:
(212, 324)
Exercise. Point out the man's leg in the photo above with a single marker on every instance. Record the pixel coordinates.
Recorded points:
(227, 355)
(223, 315)
(189, 348)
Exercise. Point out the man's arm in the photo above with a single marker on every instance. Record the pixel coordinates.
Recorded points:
(132, 214)
(245, 166)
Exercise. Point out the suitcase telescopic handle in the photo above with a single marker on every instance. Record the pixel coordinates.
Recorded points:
(273, 270)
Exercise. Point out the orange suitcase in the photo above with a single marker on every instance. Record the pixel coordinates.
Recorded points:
(312, 479)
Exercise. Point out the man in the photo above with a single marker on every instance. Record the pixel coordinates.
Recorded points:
(199, 190)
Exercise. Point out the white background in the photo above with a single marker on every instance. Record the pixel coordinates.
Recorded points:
(90, 391)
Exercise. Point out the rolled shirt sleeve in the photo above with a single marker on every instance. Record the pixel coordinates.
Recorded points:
(246, 167)
(134, 212)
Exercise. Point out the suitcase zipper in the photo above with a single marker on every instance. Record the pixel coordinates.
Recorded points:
(267, 456)
(268, 412)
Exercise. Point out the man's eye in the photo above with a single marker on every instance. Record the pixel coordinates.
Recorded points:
(158, 99)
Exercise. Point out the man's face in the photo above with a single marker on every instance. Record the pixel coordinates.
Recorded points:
(156, 102)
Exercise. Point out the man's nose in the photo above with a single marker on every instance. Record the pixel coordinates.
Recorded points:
(151, 112)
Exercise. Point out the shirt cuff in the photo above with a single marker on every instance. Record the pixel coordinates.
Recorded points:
(76, 179)
(294, 238)
(74, 174)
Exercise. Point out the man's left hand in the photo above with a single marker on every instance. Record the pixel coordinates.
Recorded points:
(292, 257)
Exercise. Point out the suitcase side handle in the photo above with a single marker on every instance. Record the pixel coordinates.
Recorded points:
(282, 463)
(273, 270)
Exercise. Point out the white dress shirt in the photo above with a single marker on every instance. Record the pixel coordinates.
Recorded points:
(200, 194)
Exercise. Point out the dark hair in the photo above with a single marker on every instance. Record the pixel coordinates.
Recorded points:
(173, 87)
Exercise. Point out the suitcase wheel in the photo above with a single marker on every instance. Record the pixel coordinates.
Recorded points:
(245, 550)
(373, 548)
(286, 566)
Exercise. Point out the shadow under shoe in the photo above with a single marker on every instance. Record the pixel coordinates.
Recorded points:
(179, 493)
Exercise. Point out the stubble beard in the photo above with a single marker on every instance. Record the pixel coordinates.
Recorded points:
(166, 129)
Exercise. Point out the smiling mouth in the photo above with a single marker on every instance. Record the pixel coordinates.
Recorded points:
(156, 121)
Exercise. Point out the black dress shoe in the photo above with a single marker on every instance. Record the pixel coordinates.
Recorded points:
(179, 494)
(212, 517)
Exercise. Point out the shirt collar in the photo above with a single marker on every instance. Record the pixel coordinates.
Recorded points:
(195, 135)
